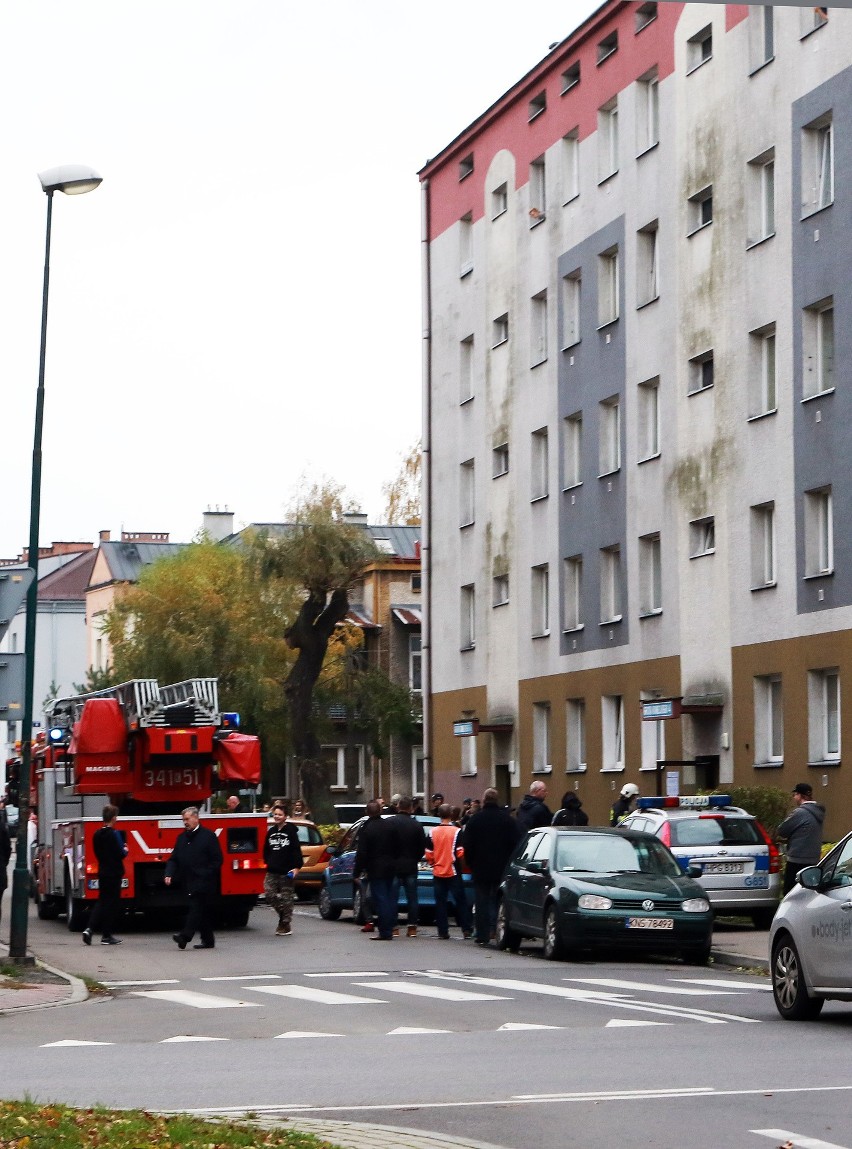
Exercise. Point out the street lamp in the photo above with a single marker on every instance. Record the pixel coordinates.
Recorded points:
(72, 179)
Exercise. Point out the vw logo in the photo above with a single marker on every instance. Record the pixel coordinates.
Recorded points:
(647, 904)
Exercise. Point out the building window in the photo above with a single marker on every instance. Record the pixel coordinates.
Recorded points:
(538, 329)
(763, 383)
(537, 105)
(500, 330)
(418, 772)
(572, 574)
(701, 372)
(760, 192)
(812, 17)
(541, 737)
(612, 714)
(768, 720)
(607, 47)
(500, 461)
(500, 590)
(702, 537)
(466, 245)
(540, 587)
(575, 735)
(649, 419)
(499, 201)
(610, 584)
(761, 35)
(468, 757)
(650, 575)
(416, 583)
(466, 369)
(571, 77)
(539, 464)
(653, 741)
(467, 493)
(335, 756)
(763, 553)
(466, 167)
(538, 191)
(699, 48)
(647, 284)
(571, 292)
(468, 616)
(608, 310)
(608, 140)
(572, 451)
(824, 715)
(415, 663)
(700, 209)
(645, 13)
(819, 533)
(571, 165)
(609, 436)
(647, 111)
(818, 348)
(818, 164)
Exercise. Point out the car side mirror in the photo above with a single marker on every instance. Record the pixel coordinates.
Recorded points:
(693, 871)
(536, 867)
(810, 877)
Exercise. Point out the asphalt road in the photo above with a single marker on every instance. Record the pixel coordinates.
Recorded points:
(433, 1035)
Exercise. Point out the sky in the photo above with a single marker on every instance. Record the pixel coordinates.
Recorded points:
(236, 310)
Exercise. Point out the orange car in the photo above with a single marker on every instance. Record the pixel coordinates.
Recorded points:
(316, 858)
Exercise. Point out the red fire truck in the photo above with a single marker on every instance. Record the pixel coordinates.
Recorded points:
(151, 751)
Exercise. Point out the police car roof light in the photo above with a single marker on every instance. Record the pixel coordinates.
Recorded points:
(685, 802)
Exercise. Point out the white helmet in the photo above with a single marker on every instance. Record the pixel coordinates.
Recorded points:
(631, 790)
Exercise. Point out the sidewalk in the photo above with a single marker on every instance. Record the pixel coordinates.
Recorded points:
(37, 987)
(741, 946)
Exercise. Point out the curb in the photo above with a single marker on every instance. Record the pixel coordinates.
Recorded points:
(78, 993)
(747, 961)
(353, 1135)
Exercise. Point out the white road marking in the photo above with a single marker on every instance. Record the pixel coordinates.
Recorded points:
(405, 1029)
(512, 1025)
(358, 973)
(245, 977)
(439, 993)
(741, 985)
(70, 1042)
(621, 1022)
(798, 1139)
(196, 1000)
(160, 981)
(644, 987)
(305, 1033)
(308, 993)
(186, 1037)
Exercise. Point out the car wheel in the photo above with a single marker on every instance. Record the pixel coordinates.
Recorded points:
(554, 948)
(762, 919)
(506, 939)
(788, 983)
(328, 912)
(358, 906)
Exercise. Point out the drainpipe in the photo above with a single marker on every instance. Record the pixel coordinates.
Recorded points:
(426, 486)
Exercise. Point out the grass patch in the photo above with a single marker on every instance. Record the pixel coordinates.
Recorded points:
(25, 1125)
(96, 988)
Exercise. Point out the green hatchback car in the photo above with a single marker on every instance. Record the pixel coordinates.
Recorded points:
(579, 889)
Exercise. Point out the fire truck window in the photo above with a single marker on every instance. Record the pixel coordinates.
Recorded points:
(242, 839)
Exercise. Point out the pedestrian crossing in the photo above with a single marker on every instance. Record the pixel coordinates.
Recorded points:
(432, 1001)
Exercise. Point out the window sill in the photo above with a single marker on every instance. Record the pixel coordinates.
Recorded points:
(466, 270)
(572, 487)
(574, 629)
(824, 763)
(762, 415)
(538, 218)
(467, 774)
(646, 150)
(817, 395)
(464, 649)
(819, 574)
(607, 323)
(542, 770)
(540, 498)
(648, 458)
(604, 59)
(576, 769)
(541, 634)
(764, 586)
(655, 613)
(611, 621)
(500, 474)
(497, 215)
(494, 605)
(700, 64)
(753, 243)
(538, 362)
(647, 302)
(778, 764)
(609, 474)
(701, 227)
(500, 343)
(464, 402)
(814, 209)
(571, 346)
(761, 65)
(467, 526)
(703, 554)
(339, 789)
(609, 175)
(612, 769)
(811, 31)
(699, 391)
(571, 198)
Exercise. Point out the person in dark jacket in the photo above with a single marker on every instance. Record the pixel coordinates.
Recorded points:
(283, 857)
(803, 833)
(488, 841)
(408, 843)
(570, 812)
(532, 811)
(623, 804)
(196, 862)
(110, 852)
(5, 855)
(374, 857)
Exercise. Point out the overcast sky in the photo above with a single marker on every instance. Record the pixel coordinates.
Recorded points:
(238, 304)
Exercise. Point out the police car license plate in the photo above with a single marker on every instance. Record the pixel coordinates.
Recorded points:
(650, 923)
(723, 868)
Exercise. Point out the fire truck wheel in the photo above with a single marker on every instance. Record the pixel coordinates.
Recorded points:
(236, 919)
(76, 913)
(46, 908)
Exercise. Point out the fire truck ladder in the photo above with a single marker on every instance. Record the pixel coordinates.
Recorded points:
(194, 702)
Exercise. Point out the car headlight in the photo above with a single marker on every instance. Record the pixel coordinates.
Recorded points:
(594, 902)
(695, 906)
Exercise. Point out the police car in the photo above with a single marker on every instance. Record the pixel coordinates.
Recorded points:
(740, 864)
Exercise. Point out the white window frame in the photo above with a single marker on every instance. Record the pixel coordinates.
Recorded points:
(500, 590)
(819, 533)
(572, 593)
(761, 36)
(499, 460)
(467, 615)
(608, 140)
(572, 451)
(538, 329)
(769, 720)
(818, 164)
(575, 736)
(699, 49)
(499, 201)
(608, 287)
(466, 373)
(572, 290)
(465, 245)
(647, 264)
(607, 47)
(702, 372)
(571, 165)
(537, 191)
(653, 739)
(645, 15)
(418, 772)
(647, 111)
(539, 464)
(811, 17)
(649, 419)
(824, 714)
(466, 167)
(700, 210)
(570, 77)
(467, 752)
(609, 436)
(610, 580)
(540, 600)
(764, 558)
(415, 663)
(818, 366)
(702, 537)
(500, 330)
(467, 493)
(612, 731)
(541, 738)
(650, 575)
(763, 371)
(760, 192)
(537, 106)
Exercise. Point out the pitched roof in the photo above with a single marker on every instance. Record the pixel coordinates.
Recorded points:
(69, 581)
(126, 559)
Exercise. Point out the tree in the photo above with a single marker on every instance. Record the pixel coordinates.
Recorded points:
(96, 680)
(326, 557)
(204, 612)
(403, 493)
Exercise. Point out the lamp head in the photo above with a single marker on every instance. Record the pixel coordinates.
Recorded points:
(72, 179)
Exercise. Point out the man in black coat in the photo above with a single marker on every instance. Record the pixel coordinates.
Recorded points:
(489, 839)
(408, 845)
(283, 857)
(110, 851)
(5, 855)
(195, 862)
(532, 811)
(374, 857)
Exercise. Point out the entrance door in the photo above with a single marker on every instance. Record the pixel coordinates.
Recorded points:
(503, 783)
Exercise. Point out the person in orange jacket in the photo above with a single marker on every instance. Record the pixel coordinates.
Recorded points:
(445, 855)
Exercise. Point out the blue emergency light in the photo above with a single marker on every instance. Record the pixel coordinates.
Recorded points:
(685, 802)
(231, 720)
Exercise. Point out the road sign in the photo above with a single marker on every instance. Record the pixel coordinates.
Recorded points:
(14, 584)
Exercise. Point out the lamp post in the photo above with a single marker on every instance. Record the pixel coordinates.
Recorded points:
(72, 179)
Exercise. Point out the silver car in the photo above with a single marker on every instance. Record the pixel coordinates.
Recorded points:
(810, 945)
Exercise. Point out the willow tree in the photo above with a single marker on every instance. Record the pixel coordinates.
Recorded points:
(325, 556)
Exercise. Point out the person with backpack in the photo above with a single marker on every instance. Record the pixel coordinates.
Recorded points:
(570, 812)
